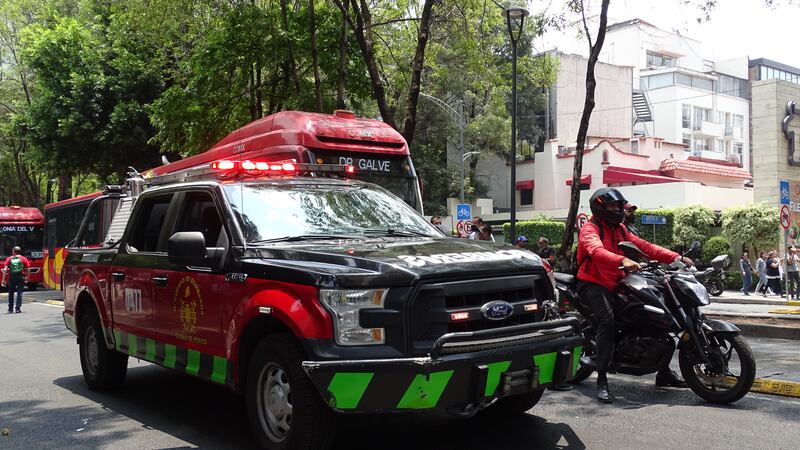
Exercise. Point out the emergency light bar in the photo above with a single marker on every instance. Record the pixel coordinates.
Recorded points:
(229, 168)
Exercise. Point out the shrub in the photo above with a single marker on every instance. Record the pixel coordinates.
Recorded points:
(692, 223)
(533, 229)
(716, 246)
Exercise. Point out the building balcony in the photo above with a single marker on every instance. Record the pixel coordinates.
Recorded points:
(706, 129)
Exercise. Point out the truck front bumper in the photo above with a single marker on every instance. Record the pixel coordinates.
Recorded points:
(463, 373)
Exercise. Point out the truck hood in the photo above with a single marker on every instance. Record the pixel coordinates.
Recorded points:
(388, 261)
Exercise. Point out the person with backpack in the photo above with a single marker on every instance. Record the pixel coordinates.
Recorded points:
(16, 272)
(599, 260)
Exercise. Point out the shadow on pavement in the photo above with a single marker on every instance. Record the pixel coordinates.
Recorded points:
(210, 416)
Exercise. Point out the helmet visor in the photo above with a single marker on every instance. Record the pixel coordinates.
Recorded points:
(610, 197)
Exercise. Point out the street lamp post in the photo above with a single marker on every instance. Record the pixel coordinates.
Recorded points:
(458, 118)
(515, 19)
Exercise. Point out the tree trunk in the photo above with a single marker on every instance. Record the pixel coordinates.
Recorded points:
(290, 48)
(565, 251)
(64, 187)
(361, 24)
(314, 62)
(410, 122)
(342, 75)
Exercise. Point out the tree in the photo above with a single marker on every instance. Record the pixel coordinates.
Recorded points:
(755, 225)
(692, 223)
(588, 106)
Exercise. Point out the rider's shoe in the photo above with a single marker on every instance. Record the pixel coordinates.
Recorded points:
(604, 395)
(668, 378)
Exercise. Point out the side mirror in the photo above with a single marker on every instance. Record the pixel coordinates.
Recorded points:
(187, 247)
(693, 248)
(631, 251)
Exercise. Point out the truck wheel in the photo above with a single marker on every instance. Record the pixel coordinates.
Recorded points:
(102, 368)
(516, 404)
(284, 407)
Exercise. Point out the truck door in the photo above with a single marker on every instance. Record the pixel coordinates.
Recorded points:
(192, 304)
(138, 268)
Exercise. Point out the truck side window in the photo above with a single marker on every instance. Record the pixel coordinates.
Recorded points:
(199, 213)
(149, 222)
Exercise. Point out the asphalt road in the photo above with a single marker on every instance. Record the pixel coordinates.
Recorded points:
(44, 403)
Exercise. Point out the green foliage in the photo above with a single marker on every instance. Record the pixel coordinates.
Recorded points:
(663, 233)
(754, 225)
(692, 223)
(535, 229)
(715, 246)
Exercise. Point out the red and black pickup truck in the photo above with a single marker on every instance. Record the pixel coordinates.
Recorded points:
(312, 296)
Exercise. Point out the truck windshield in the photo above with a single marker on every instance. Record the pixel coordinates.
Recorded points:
(269, 211)
(27, 237)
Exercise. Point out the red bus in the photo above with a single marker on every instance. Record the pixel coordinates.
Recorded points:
(23, 227)
(379, 153)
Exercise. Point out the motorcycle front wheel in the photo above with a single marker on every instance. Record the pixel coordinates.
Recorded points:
(731, 379)
(715, 287)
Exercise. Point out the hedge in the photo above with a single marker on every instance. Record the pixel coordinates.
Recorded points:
(714, 247)
(533, 229)
(663, 233)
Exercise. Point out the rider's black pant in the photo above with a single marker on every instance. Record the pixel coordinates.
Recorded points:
(601, 302)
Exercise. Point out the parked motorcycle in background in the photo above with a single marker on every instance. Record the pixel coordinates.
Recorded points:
(656, 308)
(713, 277)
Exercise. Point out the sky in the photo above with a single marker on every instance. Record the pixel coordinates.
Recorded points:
(737, 27)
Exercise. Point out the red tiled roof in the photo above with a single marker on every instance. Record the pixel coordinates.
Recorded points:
(614, 175)
(668, 166)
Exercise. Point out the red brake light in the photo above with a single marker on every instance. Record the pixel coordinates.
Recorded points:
(248, 165)
(349, 169)
(223, 165)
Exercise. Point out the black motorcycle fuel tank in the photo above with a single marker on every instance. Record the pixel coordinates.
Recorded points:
(640, 303)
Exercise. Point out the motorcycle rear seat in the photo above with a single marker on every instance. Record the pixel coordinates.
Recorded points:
(565, 279)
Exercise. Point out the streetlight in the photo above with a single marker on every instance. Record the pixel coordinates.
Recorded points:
(458, 118)
(515, 19)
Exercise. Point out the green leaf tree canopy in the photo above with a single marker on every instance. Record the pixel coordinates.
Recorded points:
(692, 223)
(755, 225)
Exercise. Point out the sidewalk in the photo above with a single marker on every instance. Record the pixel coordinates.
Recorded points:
(770, 317)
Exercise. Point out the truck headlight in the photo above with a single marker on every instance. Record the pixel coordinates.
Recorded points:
(345, 305)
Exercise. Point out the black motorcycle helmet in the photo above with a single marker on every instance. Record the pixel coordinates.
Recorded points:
(601, 198)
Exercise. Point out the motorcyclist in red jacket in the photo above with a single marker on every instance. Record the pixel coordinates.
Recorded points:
(599, 274)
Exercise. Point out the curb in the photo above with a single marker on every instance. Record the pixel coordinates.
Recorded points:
(762, 330)
(746, 301)
(772, 387)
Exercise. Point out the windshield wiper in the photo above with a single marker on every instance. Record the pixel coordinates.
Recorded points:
(393, 232)
(307, 237)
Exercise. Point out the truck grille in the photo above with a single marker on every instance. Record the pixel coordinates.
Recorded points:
(436, 303)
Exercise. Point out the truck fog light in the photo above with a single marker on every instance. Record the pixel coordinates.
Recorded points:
(344, 306)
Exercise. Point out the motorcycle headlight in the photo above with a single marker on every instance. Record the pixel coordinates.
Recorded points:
(344, 306)
(701, 292)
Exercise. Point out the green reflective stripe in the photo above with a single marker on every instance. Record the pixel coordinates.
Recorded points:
(150, 352)
(493, 377)
(193, 362)
(546, 364)
(118, 339)
(132, 347)
(425, 390)
(576, 358)
(169, 356)
(347, 388)
(220, 369)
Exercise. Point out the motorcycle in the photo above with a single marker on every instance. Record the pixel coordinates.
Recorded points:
(712, 278)
(657, 306)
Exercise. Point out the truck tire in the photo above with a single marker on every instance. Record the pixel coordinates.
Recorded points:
(285, 410)
(516, 404)
(102, 368)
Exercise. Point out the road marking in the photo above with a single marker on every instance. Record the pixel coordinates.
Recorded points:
(55, 302)
(773, 387)
(793, 303)
(784, 311)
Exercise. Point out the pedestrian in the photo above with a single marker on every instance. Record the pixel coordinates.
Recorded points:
(16, 271)
(486, 233)
(790, 261)
(522, 242)
(630, 219)
(747, 272)
(773, 273)
(546, 252)
(761, 268)
(476, 228)
(436, 221)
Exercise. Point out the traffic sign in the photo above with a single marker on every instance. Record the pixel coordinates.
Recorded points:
(785, 192)
(581, 220)
(464, 228)
(648, 219)
(463, 211)
(785, 217)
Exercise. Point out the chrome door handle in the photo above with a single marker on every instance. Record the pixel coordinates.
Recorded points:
(117, 276)
(159, 281)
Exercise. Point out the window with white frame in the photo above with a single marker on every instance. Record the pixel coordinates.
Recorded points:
(687, 140)
(738, 148)
(635, 146)
(686, 116)
(659, 60)
(701, 145)
(738, 124)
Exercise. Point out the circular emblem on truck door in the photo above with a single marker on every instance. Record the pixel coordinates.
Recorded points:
(497, 310)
